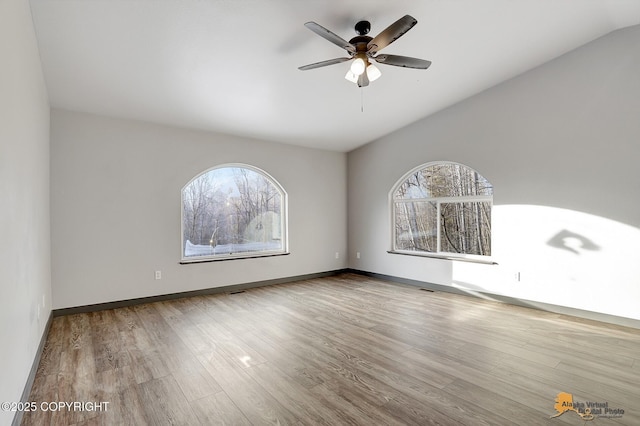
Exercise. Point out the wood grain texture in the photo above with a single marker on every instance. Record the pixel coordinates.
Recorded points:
(336, 350)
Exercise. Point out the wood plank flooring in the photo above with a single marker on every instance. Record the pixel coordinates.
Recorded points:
(339, 350)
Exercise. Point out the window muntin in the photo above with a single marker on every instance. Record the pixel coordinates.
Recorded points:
(233, 211)
(442, 209)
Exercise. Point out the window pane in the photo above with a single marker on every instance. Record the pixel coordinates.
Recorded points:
(414, 187)
(466, 228)
(443, 180)
(231, 210)
(416, 226)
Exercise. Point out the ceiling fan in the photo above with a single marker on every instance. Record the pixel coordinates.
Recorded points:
(362, 49)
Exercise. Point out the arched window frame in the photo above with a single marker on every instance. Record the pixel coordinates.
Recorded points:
(283, 222)
(438, 253)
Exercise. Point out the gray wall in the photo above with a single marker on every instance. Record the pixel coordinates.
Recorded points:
(561, 145)
(116, 208)
(25, 286)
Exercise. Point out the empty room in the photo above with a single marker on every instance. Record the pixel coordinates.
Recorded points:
(344, 212)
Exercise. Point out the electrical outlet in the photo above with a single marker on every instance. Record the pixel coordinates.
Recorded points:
(517, 276)
(358, 255)
(158, 275)
(337, 255)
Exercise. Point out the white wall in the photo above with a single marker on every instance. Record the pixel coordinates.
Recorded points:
(116, 208)
(561, 145)
(25, 286)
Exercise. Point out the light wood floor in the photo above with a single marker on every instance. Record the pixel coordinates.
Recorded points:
(340, 350)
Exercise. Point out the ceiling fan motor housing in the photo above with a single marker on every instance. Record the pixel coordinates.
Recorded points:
(360, 42)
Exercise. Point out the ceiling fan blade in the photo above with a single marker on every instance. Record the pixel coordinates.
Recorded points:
(391, 34)
(363, 80)
(403, 61)
(333, 38)
(323, 63)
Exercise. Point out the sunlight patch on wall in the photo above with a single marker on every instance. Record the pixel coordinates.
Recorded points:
(561, 257)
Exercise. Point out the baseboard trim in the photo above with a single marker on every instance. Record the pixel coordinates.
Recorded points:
(171, 296)
(17, 419)
(556, 309)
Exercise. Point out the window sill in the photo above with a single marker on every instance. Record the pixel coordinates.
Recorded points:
(230, 257)
(444, 257)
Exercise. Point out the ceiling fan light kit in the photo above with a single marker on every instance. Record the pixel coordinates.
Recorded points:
(373, 72)
(350, 76)
(363, 49)
(358, 65)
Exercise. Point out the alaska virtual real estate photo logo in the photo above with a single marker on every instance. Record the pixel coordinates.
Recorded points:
(587, 410)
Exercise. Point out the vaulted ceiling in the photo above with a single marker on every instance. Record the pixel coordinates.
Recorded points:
(231, 66)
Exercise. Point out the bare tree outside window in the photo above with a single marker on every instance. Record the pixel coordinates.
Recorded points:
(233, 210)
(443, 208)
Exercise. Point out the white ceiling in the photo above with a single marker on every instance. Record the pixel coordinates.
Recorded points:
(230, 66)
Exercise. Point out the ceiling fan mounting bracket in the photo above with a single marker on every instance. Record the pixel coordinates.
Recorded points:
(363, 27)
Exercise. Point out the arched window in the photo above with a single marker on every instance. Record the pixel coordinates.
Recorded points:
(233, 211)
(442, 208)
